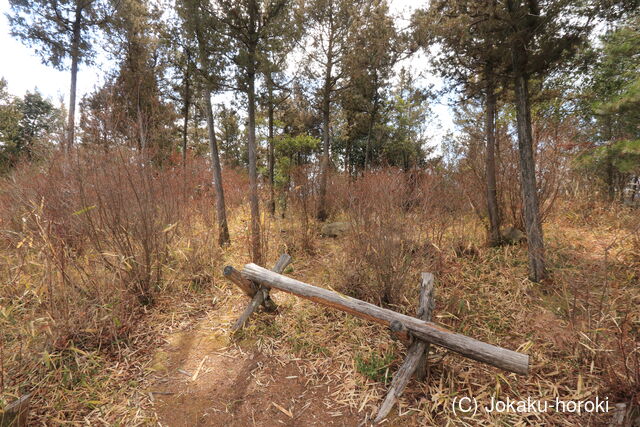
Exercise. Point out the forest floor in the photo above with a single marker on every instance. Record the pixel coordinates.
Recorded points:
(308, 365)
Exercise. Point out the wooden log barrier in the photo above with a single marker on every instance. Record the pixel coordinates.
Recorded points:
(417, 354)
(260, 293)
(233, 275)
(249, 288)
(427, 331)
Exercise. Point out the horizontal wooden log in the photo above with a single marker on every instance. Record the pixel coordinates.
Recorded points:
(477, 350)
(400, 333)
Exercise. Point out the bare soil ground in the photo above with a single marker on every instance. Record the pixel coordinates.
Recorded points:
(203, 380)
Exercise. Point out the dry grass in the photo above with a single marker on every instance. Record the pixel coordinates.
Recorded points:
(580, 328)
(572, 327)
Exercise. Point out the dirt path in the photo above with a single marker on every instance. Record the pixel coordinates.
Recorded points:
(204, 380)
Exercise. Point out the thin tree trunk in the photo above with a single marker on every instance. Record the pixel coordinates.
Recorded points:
(527, 167)
(272, 158)
(256, 250)
(321, 214)
(490, 130)
(187, 107)
(367, 153)
(611, 190)
(374, 110)
(223, 229)
(347, 158)
(75, 58)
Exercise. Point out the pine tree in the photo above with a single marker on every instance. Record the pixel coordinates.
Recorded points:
(329, 26)
(254, 29)
(200, 25)
(471, 57)
(59, 30)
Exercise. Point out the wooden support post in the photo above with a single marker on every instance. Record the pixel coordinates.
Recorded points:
(16, 413)
(425, 311)
(502, 358)
(400, 333)
(258, 298)
(248, 287)
(417, 354)
(261, 293)
(282, 263)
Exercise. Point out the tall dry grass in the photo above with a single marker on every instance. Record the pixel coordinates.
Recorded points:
(88, 244)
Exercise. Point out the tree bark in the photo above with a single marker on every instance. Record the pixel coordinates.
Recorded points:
(75, 59)
(321, 214)
(490, 131)
(256, 249)
(272, 157)
(187, 107)
(527, 166)
(221, 214)
(372, 117)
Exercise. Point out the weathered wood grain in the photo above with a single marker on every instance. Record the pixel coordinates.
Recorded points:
(16, 413)
(477, 350)
(401, 378)
(282, 263)
(257, 299)
(415, 361)
(234, 276)
(425, 311)
(261, 293)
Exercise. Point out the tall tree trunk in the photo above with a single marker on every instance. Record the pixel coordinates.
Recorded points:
(321, 214)
(187, 107)
(527, 166)
(272, 157)
(367, 152)
(372, 118)
(256, 250)
(75, 59)
(347, 158)
(611, 187)
(490, 131)
(223, 229)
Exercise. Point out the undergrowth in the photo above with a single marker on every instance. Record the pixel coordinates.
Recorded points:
(98, 255)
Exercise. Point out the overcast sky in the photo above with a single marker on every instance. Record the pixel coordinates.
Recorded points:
(24, 71)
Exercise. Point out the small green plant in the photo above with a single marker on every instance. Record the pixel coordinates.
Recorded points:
(375, 367)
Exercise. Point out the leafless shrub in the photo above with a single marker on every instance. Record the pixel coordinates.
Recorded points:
(384, 244)
(105, 229)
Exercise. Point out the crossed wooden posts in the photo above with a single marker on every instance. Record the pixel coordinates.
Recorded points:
(259, 293)
(419, 331)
